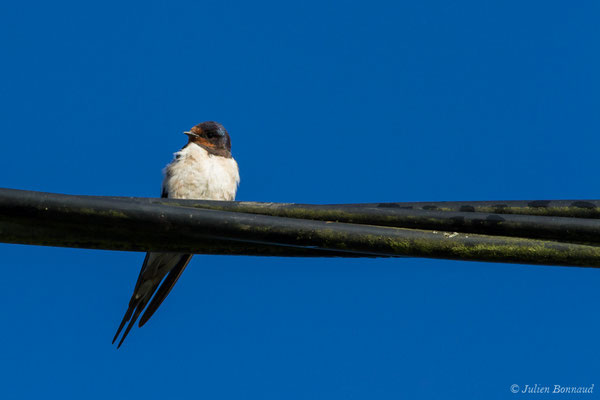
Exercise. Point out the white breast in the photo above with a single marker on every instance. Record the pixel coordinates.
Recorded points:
(195, 174)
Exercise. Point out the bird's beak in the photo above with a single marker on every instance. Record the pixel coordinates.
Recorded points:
(189, 133)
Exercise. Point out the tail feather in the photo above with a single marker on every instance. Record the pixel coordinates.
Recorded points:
(135, 316)
(126, 318)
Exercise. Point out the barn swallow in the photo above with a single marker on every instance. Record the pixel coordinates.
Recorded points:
(202, 169)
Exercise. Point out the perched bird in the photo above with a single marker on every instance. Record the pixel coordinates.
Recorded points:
(202, 169)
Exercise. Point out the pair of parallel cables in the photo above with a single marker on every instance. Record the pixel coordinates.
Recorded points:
(553, 232)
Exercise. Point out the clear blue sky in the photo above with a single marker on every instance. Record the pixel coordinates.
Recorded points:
(326, 102)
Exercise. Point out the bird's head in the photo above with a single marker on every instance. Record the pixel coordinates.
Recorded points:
(212, 136)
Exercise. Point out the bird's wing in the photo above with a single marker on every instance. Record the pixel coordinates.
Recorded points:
(154, 269)
(156, 266)
(165, 288)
